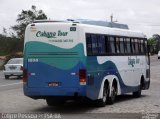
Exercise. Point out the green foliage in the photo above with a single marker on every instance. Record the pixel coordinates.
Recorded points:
(26, 17)
(9, 45)
(152, 42)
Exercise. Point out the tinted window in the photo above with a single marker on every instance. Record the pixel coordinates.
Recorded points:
(101, 44)
(133, 45)
(125, 45)
(112, 45)
(89, 44)
(128, 45)
(98, 44)
(117, 45)
(94, 44)
(107, 45)
(136, 46)
(121, 45)
(142, 46)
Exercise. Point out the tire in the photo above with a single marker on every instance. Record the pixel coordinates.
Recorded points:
(113, 95)
(137, 94)
(148, 85)
(54, 102)
(102, 102)
(6, 77)
(19, 77)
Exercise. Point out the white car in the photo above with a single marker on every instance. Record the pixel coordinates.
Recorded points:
(158, 54)
(13, 68)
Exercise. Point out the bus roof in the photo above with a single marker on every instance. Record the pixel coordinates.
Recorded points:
(112, 31)
(92, 28)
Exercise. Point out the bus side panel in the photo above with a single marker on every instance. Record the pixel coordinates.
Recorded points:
(96, 74)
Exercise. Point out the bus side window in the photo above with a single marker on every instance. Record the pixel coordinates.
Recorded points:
(101, 45)
(94, 44)
(117, 45)
(133, 46)
(145, 48)
(139, 46)
(125, 46)
(128, 45)
(142, 47)
(107, 45)
(89, 44)
(136, 46)
(121, 45)
(112, 45)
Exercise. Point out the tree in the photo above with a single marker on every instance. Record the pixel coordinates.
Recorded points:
(4, 31)
(152, 43)
(157, 38)
(26, 17)
(9, 45)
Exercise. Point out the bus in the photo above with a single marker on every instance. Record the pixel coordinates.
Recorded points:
(71, 60)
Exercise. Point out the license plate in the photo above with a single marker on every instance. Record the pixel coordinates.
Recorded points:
(12, 67)
(53, 84)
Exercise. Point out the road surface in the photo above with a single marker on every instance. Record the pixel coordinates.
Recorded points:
(12, 100)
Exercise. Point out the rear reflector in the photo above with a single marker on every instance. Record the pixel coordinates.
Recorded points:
(82, 76)
(25, 75)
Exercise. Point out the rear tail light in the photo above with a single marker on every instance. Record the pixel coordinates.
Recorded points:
(25, 75)
(82, 76)
(21, 68)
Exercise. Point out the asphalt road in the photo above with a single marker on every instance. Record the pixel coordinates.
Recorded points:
(12, 100)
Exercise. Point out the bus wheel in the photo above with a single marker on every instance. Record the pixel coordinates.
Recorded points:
(6, 77)
(137, 94)
(112, 97)
(54, 102)
(102, 102)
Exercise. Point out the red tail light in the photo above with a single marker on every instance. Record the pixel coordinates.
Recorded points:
(82, 76)
(21, 68)
(25, 75)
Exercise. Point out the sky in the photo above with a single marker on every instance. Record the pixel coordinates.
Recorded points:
(139, 15)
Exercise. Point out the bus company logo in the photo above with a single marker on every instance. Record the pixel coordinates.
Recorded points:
(51, 34)
(133, 61)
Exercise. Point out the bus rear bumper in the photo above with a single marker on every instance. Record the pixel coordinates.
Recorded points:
(39, 93)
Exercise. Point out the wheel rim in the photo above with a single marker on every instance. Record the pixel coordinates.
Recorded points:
(113, 93)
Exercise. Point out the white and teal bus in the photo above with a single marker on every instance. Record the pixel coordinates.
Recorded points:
(69, 60)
